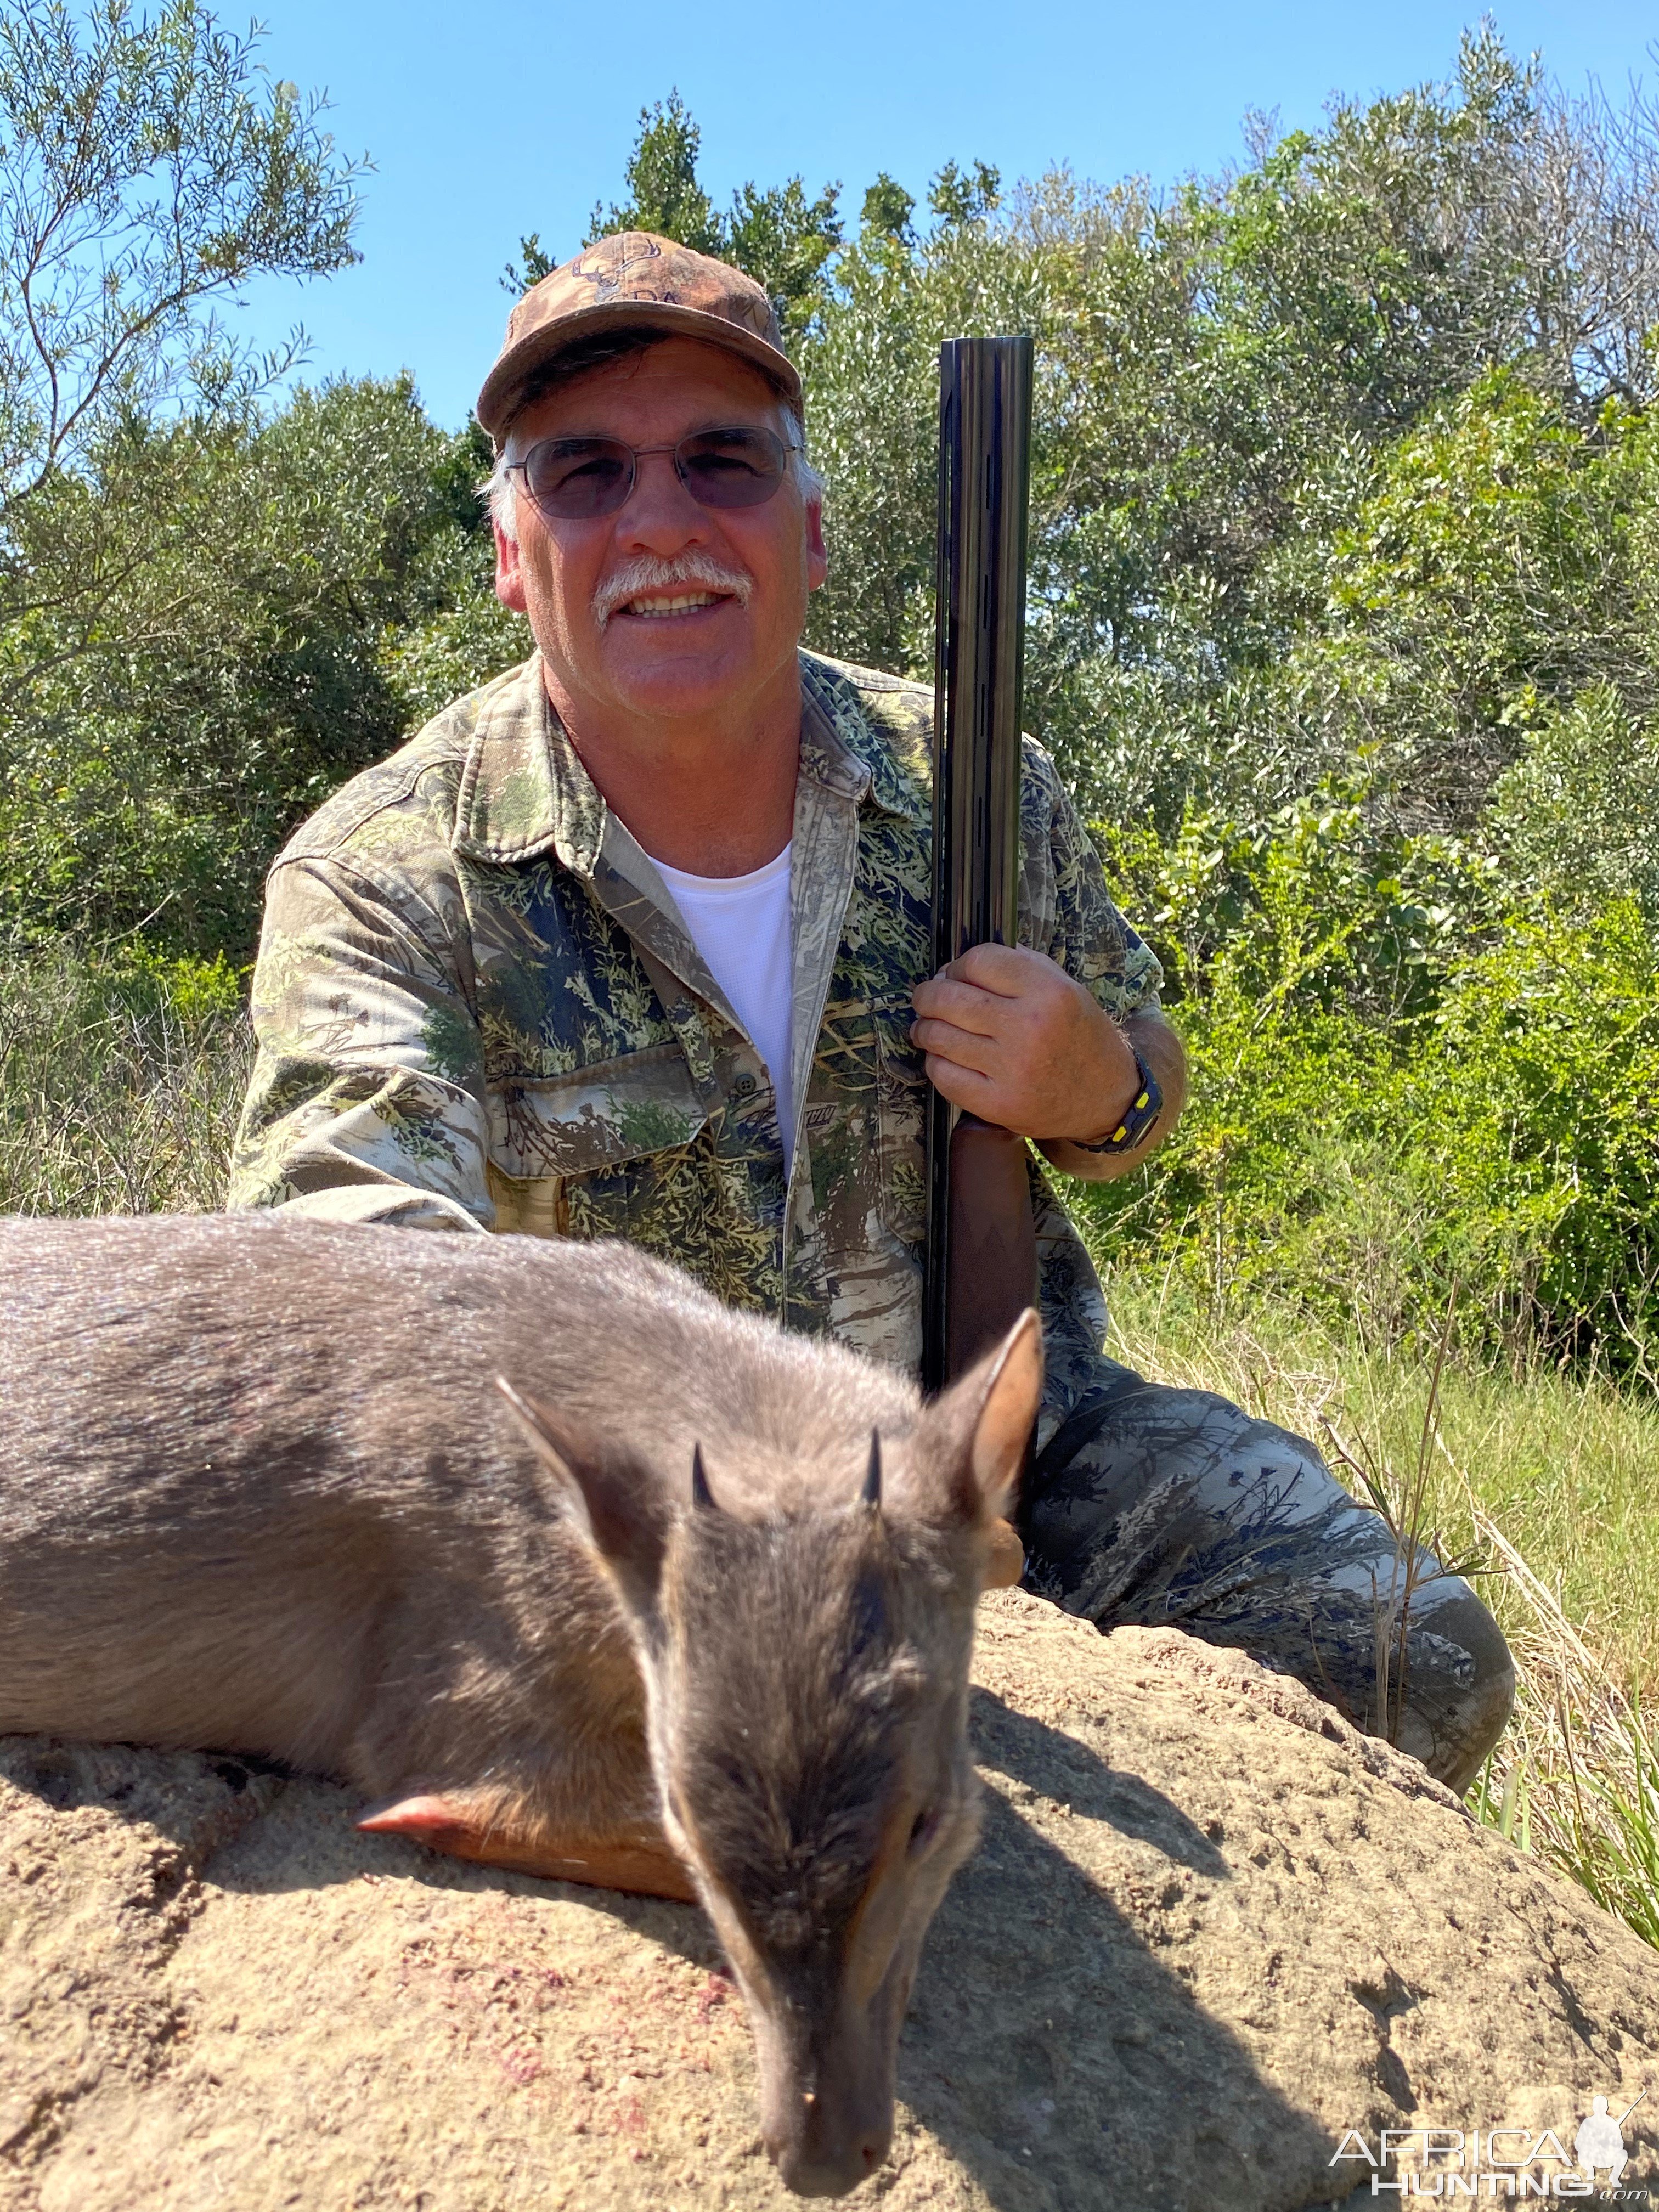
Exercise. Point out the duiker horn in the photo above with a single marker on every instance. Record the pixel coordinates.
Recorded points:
(702, 1495)
(871, 1491)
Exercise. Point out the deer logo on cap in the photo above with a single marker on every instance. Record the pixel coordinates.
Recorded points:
(607, 268)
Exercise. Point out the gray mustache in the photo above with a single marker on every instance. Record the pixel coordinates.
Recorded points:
(646, 572)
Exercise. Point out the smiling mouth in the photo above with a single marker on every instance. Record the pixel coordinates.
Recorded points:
(655, 608)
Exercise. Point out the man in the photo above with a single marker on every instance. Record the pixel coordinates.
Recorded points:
(633, 941)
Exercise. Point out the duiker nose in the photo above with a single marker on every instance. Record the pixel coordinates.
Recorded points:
(812, 2165)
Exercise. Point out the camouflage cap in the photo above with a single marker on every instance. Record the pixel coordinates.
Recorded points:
(638, 278)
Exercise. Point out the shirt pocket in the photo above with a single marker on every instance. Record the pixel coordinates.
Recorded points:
(607, 1125)
(903, 1092)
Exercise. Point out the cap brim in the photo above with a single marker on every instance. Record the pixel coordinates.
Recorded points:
(501, 396)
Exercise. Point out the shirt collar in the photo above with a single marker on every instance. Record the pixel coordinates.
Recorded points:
(525, 791)
(843, 747)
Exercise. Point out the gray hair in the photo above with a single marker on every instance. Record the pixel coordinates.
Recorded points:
(500, 493)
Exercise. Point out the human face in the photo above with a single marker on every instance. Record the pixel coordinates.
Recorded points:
(724, 656)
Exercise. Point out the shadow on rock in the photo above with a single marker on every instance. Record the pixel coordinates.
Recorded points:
(1051, 1763)
(198, 1803)
(309, 1840)
(253, 1827)
(1051, 2050)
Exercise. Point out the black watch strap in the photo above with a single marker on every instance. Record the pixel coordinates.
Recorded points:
(1137, 1120)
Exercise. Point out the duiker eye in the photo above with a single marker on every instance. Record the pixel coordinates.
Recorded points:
(924, 1828)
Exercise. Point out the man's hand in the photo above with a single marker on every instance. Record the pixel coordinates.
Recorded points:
(1012, 1038)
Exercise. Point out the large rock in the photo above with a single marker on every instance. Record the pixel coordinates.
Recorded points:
(1209, 1930)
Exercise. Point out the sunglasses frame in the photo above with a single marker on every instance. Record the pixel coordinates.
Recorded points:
(637, 453)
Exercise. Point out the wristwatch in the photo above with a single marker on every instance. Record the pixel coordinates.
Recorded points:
(1137, 1120)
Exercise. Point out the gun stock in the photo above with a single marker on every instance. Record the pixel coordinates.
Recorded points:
(980, 1267)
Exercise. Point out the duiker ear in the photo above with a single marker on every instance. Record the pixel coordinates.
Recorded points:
(979, 1428)
(616, 1502)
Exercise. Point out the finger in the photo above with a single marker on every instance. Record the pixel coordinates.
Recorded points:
(960, 1047)
(1004, 969)
(944, 1000)
(963, 1087)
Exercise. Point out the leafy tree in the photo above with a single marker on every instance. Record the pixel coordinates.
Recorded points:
(661, 177)
(1485, 581)
(1223, 377)
(533, 263)
(304, 590)
(963, 195)
(145, 176)
(196, 599)
(1575, 814)
(785, 241)
(887, 209)
(780, 236)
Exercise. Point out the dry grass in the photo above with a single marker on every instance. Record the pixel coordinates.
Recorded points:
(1576, 1778)
(1544, 1487)
(119, 1083)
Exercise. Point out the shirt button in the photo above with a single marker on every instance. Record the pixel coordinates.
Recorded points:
(743, 1084)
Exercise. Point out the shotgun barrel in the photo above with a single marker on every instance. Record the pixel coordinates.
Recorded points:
(980, 1262)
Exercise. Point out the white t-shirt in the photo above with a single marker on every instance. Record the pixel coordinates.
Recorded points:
(740, 925)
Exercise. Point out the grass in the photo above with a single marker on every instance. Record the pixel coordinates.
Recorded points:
(121, 1078)
(1543, 1486)
(1576, 1778)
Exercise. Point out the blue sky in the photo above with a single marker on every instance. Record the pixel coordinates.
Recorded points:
(487, 121)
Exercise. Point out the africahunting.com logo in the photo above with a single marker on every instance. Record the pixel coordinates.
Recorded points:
(1452, 2163)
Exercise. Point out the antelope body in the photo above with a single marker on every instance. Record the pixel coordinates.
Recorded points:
(686, 1607)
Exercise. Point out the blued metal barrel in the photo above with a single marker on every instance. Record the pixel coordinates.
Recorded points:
(984, 429)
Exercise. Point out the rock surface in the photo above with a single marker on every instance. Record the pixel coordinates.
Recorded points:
(1209, 1930)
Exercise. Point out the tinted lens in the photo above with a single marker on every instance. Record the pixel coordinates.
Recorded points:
(569, 477)
(732, 468)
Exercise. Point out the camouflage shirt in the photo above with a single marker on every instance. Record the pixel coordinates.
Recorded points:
(477, 1007)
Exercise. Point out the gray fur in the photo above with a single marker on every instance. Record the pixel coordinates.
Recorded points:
(258, 1493)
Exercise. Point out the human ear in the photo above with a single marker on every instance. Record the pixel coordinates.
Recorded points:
(509, 572)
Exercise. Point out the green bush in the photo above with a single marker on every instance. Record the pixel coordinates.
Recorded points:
(287, 597)
(1575, 816)
(1390, 1112)
(1543, 1160)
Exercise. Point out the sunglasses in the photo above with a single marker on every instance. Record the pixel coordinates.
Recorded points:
(575, 479)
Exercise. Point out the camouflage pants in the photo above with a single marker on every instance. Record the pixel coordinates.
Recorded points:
(1173, 1508)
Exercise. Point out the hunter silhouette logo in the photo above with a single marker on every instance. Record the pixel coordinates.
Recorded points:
(1600, 2141)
